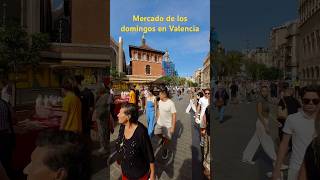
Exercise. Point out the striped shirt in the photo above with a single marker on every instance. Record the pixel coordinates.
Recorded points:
(4, 116)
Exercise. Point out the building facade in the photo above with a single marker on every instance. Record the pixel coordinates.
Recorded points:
(79, 44)
(145, 63)
(284, 49)
(309, 41)
(206, 72)
(260, 55)
(197, 76)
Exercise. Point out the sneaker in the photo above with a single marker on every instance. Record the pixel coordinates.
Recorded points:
(269, 174)
(248, 161)
(165, 154)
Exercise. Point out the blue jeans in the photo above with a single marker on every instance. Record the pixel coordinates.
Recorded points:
(221, 113)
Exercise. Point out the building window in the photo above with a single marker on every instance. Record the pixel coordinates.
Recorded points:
(55, 19)
(139, 55)
(303, 73)
(148, 57)
(148, 69)
(135, 56)
(317, 72)
(312, 72)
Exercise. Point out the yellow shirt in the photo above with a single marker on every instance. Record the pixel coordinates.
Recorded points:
(132, 97)
(72, 106)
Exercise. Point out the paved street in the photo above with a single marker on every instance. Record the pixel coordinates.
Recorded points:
(230, 140)
(180, 164)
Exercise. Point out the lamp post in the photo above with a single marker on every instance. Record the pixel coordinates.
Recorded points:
(4, 6)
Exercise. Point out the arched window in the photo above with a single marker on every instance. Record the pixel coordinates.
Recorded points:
(148, 69)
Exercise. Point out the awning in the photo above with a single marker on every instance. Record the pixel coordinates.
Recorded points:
(77, 63)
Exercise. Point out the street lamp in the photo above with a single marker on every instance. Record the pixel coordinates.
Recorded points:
(4, 5)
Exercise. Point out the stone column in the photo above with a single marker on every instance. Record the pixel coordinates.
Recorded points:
(120, 55)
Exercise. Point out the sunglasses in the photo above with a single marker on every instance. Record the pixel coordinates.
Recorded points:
(307, 101)
(207, 93)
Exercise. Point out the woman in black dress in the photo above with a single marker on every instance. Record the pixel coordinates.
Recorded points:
(134, 146)
(310, 169)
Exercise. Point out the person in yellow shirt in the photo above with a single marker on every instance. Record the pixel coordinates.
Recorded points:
(132, 96)
(71, 118)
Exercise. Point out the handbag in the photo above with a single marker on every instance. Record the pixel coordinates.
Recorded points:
(220, 102)
(283, 112)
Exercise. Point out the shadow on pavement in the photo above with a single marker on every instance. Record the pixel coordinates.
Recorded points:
(167, 166)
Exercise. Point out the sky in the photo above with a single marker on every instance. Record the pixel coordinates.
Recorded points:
(186, 49)
(238, 22)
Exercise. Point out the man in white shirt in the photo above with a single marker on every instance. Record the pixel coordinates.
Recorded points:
(299, 127)
(166, 121)
(202, 105)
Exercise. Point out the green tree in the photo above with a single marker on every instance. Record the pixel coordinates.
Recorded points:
(18, 49)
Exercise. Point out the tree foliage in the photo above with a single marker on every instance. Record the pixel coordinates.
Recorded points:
(18, 48)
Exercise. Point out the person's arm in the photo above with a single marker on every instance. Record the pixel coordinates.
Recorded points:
(260, 116)
(152, 172)
(63, 120)
(282, 152)
(174, 115)
(303, 172)
(198, 108)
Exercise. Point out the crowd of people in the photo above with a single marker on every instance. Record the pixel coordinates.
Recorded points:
(297, 117)
(199, 103)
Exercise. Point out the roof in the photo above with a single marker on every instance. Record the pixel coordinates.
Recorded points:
(144, 47)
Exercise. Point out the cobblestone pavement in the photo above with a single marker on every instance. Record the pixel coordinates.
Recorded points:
(179, 164)
(230, 140)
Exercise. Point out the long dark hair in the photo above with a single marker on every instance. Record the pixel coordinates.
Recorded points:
(316, 141)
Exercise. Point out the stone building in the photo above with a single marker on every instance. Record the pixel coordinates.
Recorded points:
(205, 76)
(260, 55)
(284, 49)
(309, 41)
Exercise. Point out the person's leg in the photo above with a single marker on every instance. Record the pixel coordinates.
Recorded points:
(221, 113)
(188, 108)
(251, 148)
(293, 174)
(167, 138)
(266, 142)
(151, 123)
(148, 118)
(101, 132)
(206, 154)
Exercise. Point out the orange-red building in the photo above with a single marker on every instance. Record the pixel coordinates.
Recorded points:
(145, 63)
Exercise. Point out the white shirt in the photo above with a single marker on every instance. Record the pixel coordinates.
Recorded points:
(302, 129)
(204, 102)
(4, 94)
(166, 109)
